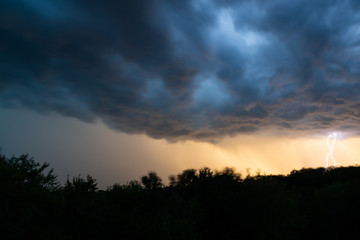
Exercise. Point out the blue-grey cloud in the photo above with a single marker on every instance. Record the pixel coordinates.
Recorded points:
(182, 70)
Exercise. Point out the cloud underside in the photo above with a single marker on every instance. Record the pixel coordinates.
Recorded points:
(186, 70)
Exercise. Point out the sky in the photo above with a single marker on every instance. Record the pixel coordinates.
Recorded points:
(118, 88)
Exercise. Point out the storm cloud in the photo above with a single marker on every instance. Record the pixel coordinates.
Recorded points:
(185, 70)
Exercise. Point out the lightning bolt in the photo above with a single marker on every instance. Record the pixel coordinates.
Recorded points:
(331, 138)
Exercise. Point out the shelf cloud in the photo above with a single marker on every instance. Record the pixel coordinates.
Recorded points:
(185, 70)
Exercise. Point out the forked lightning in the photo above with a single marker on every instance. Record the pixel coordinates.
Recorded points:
(330, 141)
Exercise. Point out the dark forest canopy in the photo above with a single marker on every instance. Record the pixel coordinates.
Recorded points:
(197, 204)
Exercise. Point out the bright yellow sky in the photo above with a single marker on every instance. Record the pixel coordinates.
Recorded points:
(269, 154)
(74, 147)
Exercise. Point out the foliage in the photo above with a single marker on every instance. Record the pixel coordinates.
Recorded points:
(24, 171)
(151, 181)
(27, 197)
(197, 204)
(79, 184)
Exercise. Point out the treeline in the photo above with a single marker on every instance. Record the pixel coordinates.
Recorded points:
(197, 204)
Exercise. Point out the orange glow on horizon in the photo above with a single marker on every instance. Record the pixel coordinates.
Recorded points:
(74, 147)
(270, 155)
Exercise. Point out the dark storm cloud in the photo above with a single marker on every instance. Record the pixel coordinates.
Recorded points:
(181, 70)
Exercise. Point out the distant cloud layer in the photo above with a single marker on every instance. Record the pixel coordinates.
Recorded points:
(180, 70)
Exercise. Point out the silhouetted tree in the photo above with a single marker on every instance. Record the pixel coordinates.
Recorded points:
(23, 170)
(187, 178)
(229, 174)
(82, 206)
(27, 194)
(200, 204)
(205, 173)
(132, 186)
(172, 180)
(81, 185)
(151, 181)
